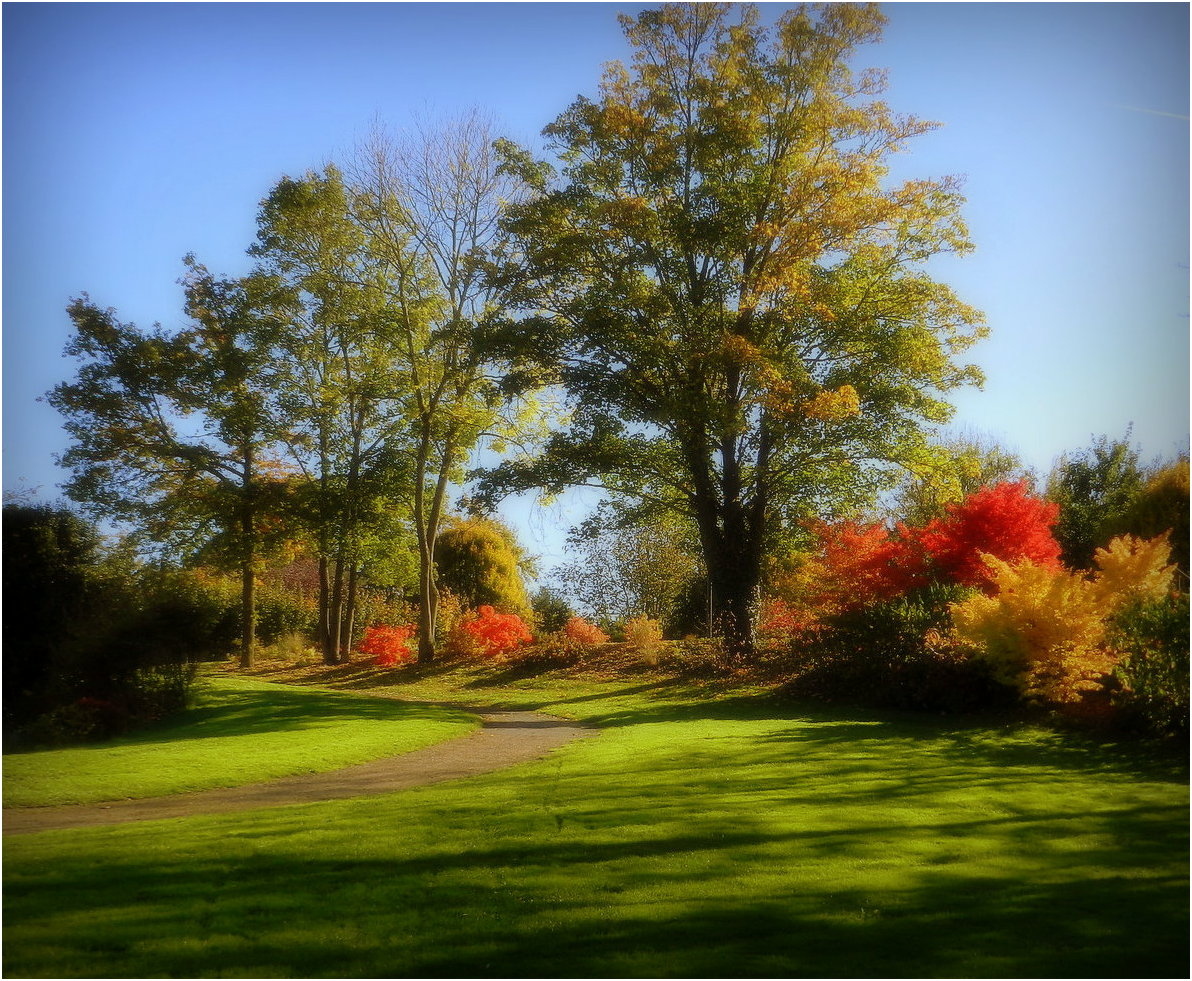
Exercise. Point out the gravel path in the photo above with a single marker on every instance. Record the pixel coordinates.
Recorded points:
(505, 739)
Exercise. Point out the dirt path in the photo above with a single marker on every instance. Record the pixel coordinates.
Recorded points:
(505, 739)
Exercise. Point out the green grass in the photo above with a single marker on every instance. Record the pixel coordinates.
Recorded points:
(239, 732)
(697, 836)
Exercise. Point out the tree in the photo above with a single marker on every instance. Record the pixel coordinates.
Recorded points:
(733, 297)
(1094, 489)
(1003, 520)
(169, 431)
(431, 206)
(480, 561)
(968, 461)
(337, 378)
(629, 565)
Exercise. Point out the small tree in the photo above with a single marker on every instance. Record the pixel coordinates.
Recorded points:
(630, 565)
(480, 561)
(1095, 488)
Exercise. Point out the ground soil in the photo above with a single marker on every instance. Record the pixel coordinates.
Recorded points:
(505, 739)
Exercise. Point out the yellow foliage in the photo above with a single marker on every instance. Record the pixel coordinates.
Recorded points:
(1042, 629)
(736, 348)
(643, 633)
(1134, 569)
(834, 406)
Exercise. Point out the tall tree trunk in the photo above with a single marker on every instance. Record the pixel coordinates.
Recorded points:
(335, 616)
(428, 600)
(248, 608)
(426, 521)
(325, 610)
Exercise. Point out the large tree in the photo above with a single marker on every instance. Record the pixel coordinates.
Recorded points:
(730, 288)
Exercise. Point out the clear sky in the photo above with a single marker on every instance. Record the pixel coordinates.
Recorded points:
(135, 133)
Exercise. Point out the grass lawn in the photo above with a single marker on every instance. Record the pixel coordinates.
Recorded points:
(240, 731)
(700, 835)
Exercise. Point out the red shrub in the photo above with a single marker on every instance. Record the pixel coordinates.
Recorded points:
(387, 645)
(496, 633)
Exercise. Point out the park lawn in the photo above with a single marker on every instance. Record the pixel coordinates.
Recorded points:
(697, 836)
(240, 731)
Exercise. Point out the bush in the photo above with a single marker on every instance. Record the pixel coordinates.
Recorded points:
(643, 633)
(489, 634)
(388, 646)
(578, 630)
(1152, 640)
(549, 651)
(281, 612)
(894, 655)
(551, 610)
(1043, 629)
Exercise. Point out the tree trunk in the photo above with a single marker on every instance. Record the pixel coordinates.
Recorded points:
(325, 611)
(248, 582)
(428, 603)
(335, 616)
(248, 612)
(349, 616)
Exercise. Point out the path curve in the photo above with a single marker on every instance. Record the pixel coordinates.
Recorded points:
(504, 739)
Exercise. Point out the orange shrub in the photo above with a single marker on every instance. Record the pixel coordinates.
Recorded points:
(580, 631)
(489, 633)
(388, 646)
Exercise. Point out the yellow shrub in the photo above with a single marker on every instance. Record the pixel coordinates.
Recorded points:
(1042, 629)
(643, 633)
(1134, 570)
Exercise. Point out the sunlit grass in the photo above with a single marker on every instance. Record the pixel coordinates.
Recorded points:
(239, 732)
(695, 837)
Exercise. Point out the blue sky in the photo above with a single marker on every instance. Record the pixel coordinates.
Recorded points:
(135, 133)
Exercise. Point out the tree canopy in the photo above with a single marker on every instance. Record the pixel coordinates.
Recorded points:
(730, 288)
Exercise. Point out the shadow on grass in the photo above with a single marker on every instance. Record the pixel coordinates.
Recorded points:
(704, 904)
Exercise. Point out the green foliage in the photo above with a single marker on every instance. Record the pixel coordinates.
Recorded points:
(630, 564)
(551, 610)
(479, 560)
(1162, 506)
(1152, 639)
(1095, 489)
(282, 612)
(48, 554)
(965, 463)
